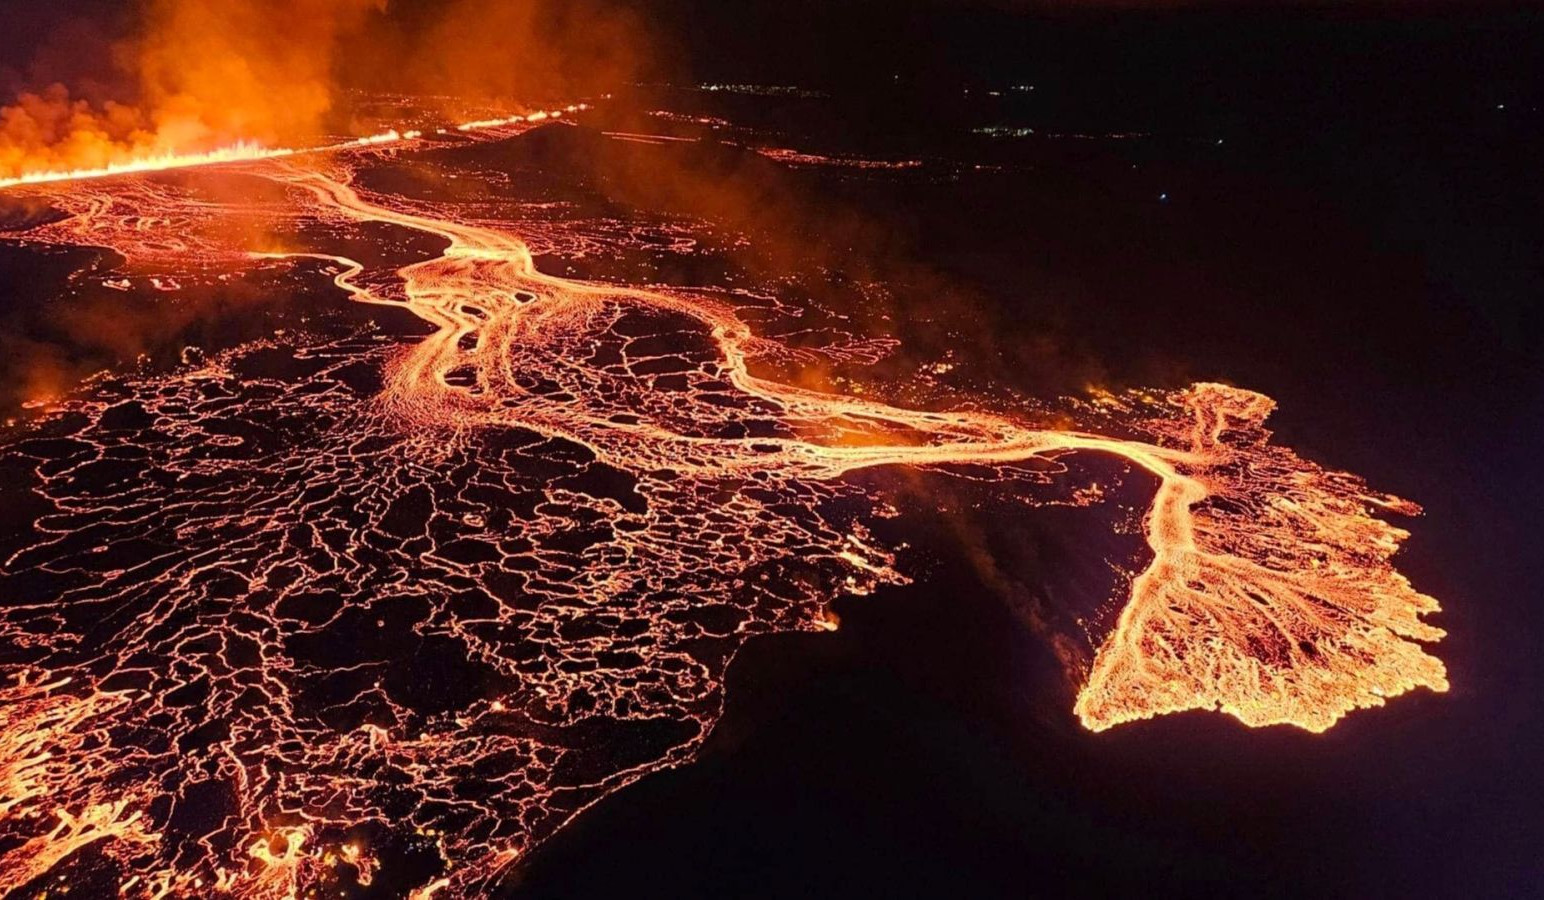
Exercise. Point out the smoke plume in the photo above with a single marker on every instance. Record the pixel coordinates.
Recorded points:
(200, 74)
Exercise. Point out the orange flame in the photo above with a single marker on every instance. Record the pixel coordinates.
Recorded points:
(246, 151)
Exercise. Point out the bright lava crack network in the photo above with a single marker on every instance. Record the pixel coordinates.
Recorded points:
(293, 615)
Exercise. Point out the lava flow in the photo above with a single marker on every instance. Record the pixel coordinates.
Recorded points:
(321, 614)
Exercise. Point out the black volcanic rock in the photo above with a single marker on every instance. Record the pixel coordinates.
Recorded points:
(23, 213)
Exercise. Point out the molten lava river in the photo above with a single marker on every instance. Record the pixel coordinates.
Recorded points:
(304, 610)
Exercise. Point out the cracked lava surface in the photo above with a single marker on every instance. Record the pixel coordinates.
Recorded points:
(299, 611)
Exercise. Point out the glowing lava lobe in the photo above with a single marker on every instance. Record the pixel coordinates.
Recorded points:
(1270, 595)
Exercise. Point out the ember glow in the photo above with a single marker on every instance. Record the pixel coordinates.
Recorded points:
(303, 608)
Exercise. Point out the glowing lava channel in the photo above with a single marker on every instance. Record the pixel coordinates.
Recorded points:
(1286, 612)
